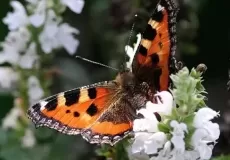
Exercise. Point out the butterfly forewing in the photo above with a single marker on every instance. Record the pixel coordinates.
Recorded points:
(98, 112)
(157, 46)
(73, 110)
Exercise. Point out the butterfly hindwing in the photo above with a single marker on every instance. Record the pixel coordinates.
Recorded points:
(157, 46)
(112, 126)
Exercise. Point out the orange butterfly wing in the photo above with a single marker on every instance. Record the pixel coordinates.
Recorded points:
(85, 111)
(158, 45)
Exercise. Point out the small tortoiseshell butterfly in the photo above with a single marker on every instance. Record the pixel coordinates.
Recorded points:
(104, 112)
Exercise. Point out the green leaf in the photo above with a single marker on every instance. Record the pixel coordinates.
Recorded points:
(163, 128)
(189, 119)
(120, 151)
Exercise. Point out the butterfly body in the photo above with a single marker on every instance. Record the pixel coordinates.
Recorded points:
(104, 112)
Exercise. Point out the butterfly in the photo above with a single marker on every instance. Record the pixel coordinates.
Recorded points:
(104, 112)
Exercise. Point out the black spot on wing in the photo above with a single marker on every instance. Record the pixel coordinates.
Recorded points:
(71, 97)
(155, 58)
(92, 110)
(158, 16)
(36, 106)
(67, 111)
(143, 50)
(76, 114)
(92, 93)
(52, 104)
(150, 33)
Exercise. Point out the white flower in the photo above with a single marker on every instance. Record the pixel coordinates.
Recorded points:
(202, 121)
(136, 156)
(18, 39)
(168, 153)
(11, 119)
(38, 18)
(28, 140)
(18, 18)
(147, 137)
(200, 140)
(66, 39)
(148, 142)
(15, 42)
(35, 91)
(151, 112)
(30, 57)
(9, 54)
(206, 132)
(75, 5)
(178, 135)
(131, 51)
(148, 123)
(54, 35)
(164, 103)
(7, 77)
(48, 38)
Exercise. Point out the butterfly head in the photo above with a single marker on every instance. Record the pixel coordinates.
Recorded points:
(126, 79)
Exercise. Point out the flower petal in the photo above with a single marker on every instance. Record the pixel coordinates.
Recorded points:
(38, 18)
(18, 18)
(203, 115)
(74, 5)
(164, 107)
(7, 77)
(66, 38)
(154, 142)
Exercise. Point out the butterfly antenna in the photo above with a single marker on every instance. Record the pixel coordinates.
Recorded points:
(97, 63)
(131, 32)
(128, 42)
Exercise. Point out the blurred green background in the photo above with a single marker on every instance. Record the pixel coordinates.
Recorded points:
(203, 37)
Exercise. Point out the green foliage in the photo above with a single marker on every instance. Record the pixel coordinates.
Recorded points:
(117, 152)
(188, 91)
(227, 157)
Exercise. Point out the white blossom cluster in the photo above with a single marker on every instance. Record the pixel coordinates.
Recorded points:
(32, 27)
(152, 144)
(35, 28)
